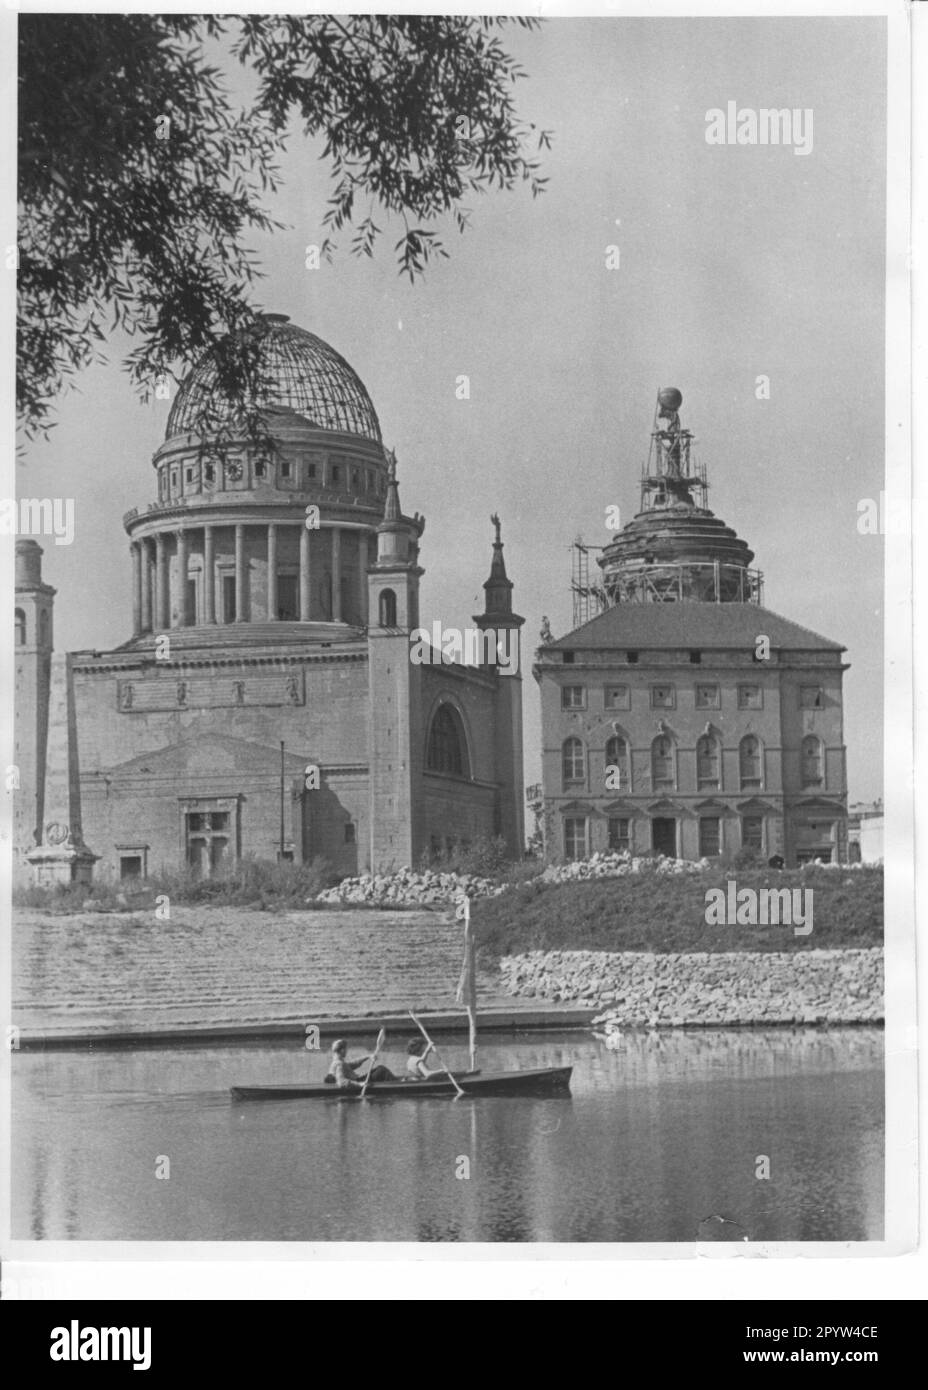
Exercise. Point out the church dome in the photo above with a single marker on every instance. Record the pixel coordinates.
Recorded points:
(299, 373)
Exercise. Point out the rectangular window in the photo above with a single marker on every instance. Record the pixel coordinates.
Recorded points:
(228, 598)
(573, 697)
(286, 468)
(209, 844)
(631, 658)
(310, 470)
(811, 697)
(710, 836)
(695, 658)
(190, 601)
(620, 834)
(288, 609)
(568, 658)
(707, 697)
(752, 832)
(662, 697)
(130, 866)
(750, 697)
(335, 473)
(575, 837)
(616, 697)
(349, 832)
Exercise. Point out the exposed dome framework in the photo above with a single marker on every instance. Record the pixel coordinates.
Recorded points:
(298, 371)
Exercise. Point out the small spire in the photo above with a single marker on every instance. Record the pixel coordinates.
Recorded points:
(498, 564)
(498, 588)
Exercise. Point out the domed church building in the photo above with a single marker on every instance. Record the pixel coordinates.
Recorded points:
(265, 703)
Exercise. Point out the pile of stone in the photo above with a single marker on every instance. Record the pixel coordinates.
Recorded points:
(408, 888)
(613, 864)
(644, 989)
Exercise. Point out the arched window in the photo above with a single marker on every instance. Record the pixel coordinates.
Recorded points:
(811, 761)
(749, 762)
(708, 763)
(447, 745)
(572, 762)
(20, 628)
(387, 608)
(662, 764)
(617, 757)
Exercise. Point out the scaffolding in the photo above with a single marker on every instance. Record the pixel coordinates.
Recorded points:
(648, 581)
(589, 598)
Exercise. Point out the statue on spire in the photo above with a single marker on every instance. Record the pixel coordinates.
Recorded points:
(495, 521)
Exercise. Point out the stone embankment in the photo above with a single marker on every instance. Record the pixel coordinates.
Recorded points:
(430, 887)
(644, 989)
(407, 888)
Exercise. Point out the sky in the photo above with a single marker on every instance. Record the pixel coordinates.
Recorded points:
(734, 262)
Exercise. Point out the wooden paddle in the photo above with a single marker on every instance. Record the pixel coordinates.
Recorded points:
(381, 1039)
(459, 1089)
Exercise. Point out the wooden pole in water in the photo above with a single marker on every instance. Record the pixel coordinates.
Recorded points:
(280, 856)
(467, 989)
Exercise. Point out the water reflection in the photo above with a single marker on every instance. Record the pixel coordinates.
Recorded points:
(659, 1140)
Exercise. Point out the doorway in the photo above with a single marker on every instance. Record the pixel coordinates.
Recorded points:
(664, 836)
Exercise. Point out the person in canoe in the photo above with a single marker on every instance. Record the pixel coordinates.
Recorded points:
(345, 1073)
(417, 1068)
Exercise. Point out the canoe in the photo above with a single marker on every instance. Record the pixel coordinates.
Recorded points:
(530, 1082)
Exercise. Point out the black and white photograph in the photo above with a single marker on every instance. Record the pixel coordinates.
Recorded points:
(458, 759)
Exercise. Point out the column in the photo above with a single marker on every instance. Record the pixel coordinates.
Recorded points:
(160, 616)
(209, 576)
(336, 574)
(239, 572)
(304, 575)
(181, 605)
(362, 565)
(136, 588)
(145, 552)
(272, 573)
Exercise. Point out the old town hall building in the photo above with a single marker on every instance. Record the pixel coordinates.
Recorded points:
(265, 704)
(685, 718)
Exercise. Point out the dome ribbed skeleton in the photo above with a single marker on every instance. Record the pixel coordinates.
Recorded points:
(298, 372)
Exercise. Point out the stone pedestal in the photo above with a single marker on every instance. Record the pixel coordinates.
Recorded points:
(67, 863)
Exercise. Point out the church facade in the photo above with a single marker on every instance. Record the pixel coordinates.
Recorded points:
(265, 704)
(685, 718)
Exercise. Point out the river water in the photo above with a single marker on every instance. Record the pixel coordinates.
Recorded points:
(662, 1139)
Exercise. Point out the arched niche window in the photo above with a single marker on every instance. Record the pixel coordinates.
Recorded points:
(708, 763)
(662, 764)
(447, 745)
(617, 760)
(20, 619)
(573, 771)
(749, 762)
(811, 761)
(387, 608)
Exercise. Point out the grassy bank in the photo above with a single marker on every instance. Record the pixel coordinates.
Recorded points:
(651, 912)
(253, 883)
